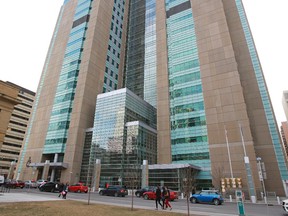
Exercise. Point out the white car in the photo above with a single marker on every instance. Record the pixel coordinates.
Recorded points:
(285, 205)
(30, 184)
(40, 182)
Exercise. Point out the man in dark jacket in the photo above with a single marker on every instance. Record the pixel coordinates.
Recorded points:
(158, 197)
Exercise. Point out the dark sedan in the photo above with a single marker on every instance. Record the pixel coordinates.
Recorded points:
(49, 187)
(114, 191)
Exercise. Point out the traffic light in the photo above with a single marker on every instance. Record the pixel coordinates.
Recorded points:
(223, 186)
(239, 182)
(227, 182)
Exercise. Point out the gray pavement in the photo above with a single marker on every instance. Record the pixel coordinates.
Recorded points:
(24, 197)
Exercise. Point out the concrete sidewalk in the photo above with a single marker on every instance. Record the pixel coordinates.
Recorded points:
(24, 197)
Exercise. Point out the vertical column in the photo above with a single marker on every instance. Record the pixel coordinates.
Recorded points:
(46, 169)
(11, 170)
(96, 176)
(54, 169)
(145, 174)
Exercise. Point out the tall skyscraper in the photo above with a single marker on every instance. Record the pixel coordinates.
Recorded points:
(193, 60)
(285, 103)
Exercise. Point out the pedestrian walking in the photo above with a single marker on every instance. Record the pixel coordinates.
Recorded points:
(61, 187)
(167, 199)
(163, 197)
(158, 197)
(65, 191)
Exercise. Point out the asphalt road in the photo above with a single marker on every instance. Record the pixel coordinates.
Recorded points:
(227, 209)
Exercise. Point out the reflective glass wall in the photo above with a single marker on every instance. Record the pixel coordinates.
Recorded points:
(187, 114)
(123, 136)
(56, 137)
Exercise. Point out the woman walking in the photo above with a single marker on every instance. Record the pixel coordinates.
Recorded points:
(167, 199)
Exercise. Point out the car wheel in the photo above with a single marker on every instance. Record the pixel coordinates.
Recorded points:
(193, 200)
(146, 197)
(101, 193)
(79, 191)
(116, 194)
(137, 194)
(216, 202)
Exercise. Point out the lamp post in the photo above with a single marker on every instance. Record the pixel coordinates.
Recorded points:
(251, 185)
(261, 177)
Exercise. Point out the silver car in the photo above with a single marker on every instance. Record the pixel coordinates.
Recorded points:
(30, 184)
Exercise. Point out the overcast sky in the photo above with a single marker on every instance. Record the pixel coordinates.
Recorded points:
(27, 27)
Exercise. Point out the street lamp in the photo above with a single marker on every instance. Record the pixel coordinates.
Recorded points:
(261, 176)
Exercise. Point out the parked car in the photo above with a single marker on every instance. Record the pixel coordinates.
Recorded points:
(151, 195)
(285, 205)
(207, 196)
(49, 187)
(114, 190)
(40, 182)
(30, 184)
(1, 180)
(11, 183)
(79, 187)
(139, 193)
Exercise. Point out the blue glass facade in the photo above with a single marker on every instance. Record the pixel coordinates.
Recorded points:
(263, 92)
(124, 135)
(114, 47)
(150, 53)
(140, 68)
(187, 115)
(56, 137)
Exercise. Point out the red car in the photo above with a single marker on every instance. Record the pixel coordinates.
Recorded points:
(152, 195)
(14, 183)
(79, 187)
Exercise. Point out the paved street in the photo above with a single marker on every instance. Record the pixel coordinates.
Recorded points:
(228, 209)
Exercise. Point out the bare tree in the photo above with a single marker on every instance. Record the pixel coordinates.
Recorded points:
(188, 178)
(132, 180)
(217, 173)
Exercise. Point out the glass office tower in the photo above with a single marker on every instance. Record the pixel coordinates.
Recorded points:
(124, 134)
(195, 60)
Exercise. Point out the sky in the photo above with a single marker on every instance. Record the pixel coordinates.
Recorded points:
(27, 27)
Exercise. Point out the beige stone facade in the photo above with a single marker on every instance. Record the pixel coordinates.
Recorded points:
(16, 129)
(8, 99)
(231, 94)
(89, 85)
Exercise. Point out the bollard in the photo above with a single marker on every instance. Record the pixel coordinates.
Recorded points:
(278, 200)
(230, 197)
(182, 196)
(253, 199)
(265, 199)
